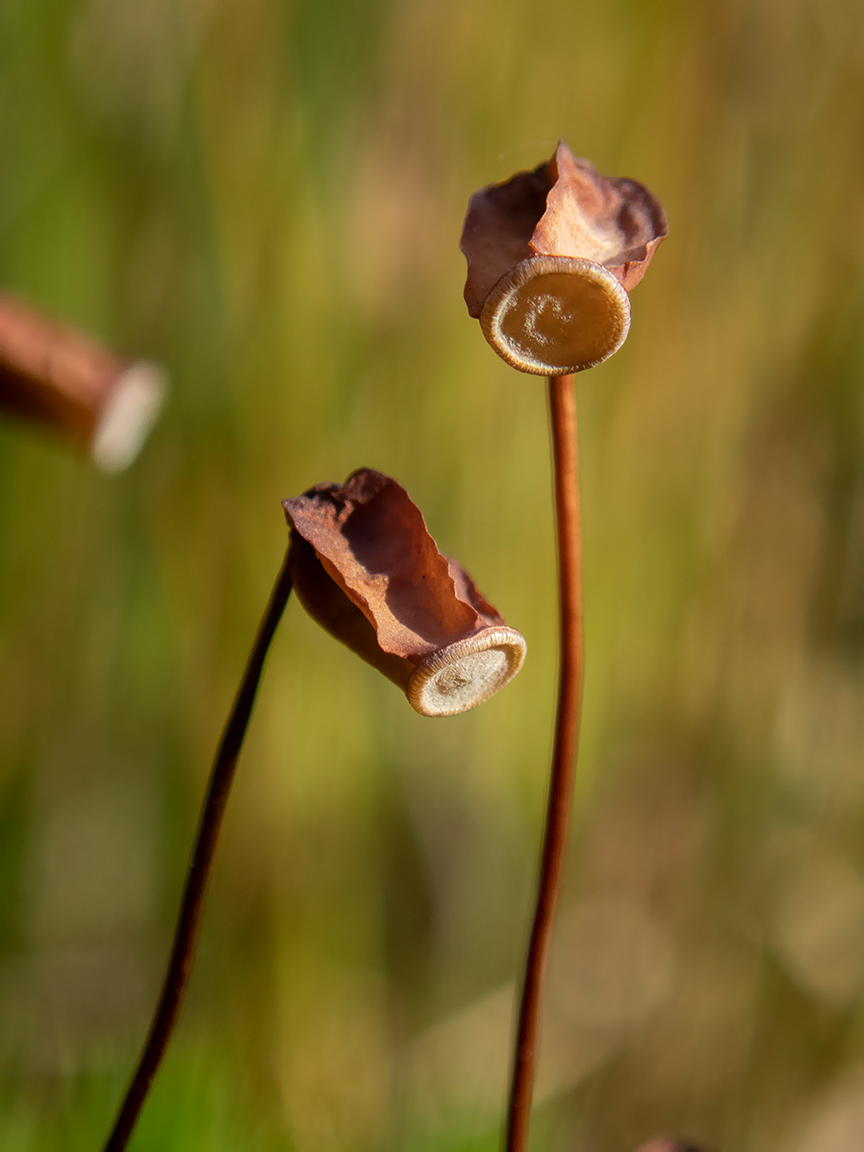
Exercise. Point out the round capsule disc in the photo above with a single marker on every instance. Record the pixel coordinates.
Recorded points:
(553, 315)
(466, 673)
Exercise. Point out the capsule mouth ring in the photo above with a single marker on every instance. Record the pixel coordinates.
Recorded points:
(553, 315)
(129, 413)
(466, 673)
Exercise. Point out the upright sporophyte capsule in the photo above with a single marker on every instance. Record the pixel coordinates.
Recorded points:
(552, 255)
(364, 565)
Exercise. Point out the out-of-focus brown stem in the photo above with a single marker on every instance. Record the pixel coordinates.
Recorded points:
(562, 409)
(191, 905)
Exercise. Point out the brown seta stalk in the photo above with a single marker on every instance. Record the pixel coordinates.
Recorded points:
(562, 410)
(191, 906)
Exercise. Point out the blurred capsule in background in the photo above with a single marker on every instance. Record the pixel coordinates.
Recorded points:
(52, 374)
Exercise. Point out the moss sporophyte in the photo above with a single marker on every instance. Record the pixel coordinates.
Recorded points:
(552, 255)
(362, 562)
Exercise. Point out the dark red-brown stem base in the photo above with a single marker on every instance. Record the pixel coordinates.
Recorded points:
(191, 906)
(562, 409)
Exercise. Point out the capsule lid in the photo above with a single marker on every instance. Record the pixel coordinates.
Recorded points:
(553, 315)
(466, 673)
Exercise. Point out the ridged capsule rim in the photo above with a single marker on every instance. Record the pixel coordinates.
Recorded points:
(422, 683)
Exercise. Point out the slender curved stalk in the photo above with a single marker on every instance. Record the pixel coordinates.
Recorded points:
(562, 409)
(192, 902)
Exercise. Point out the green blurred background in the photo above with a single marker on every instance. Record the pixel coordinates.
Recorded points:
(267, 197)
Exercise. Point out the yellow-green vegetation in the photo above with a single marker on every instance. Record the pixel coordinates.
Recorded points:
(268, 197)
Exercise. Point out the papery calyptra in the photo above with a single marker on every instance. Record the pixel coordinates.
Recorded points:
(364, 565)
(552, 255)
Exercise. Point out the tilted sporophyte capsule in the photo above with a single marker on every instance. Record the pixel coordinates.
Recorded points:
(363, 564)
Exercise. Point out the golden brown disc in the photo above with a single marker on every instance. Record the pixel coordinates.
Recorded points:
(553, 315)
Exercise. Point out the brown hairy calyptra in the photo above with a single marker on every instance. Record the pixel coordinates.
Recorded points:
(364, 565)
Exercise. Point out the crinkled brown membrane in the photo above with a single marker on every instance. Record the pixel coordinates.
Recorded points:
(563, 208)
(366, 568)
